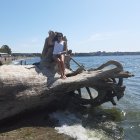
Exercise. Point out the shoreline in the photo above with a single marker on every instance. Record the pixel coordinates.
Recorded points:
(9, 60)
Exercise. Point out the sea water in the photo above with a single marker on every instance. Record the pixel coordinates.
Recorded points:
(128, 106)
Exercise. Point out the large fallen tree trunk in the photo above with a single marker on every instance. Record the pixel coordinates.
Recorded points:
(27, 87)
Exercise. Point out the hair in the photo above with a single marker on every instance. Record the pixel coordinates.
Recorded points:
(56, 35)
(59, 34)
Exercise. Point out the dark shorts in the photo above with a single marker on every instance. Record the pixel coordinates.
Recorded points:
(55, 56)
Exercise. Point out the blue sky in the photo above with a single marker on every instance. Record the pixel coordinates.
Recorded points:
(90, 25)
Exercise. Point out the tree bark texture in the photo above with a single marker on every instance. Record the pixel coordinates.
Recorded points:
(26, 87)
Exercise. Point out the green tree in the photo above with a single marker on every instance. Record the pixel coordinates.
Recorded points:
(5, 49)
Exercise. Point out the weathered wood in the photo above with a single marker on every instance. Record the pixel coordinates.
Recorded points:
(26, 87)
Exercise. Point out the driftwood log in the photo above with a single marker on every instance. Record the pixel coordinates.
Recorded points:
(26, 87)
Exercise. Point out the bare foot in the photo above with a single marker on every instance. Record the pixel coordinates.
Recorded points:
(63, 77)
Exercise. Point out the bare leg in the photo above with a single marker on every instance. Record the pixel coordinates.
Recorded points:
(57, 59)
(62, 65)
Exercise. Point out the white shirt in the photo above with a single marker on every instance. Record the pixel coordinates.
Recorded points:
(58, 47)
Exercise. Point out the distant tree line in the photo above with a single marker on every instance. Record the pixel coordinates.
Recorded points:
(5, 49)
(99, 53)
(27, 54)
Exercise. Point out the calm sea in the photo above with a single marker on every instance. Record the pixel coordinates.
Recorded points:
(129, 105)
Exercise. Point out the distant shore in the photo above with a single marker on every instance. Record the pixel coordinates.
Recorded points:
(99, 53)
(8, 60)
(18, 56)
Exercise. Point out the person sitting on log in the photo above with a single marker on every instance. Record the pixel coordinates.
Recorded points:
(60, 49)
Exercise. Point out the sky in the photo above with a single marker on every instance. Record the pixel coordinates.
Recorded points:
(90, 25)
